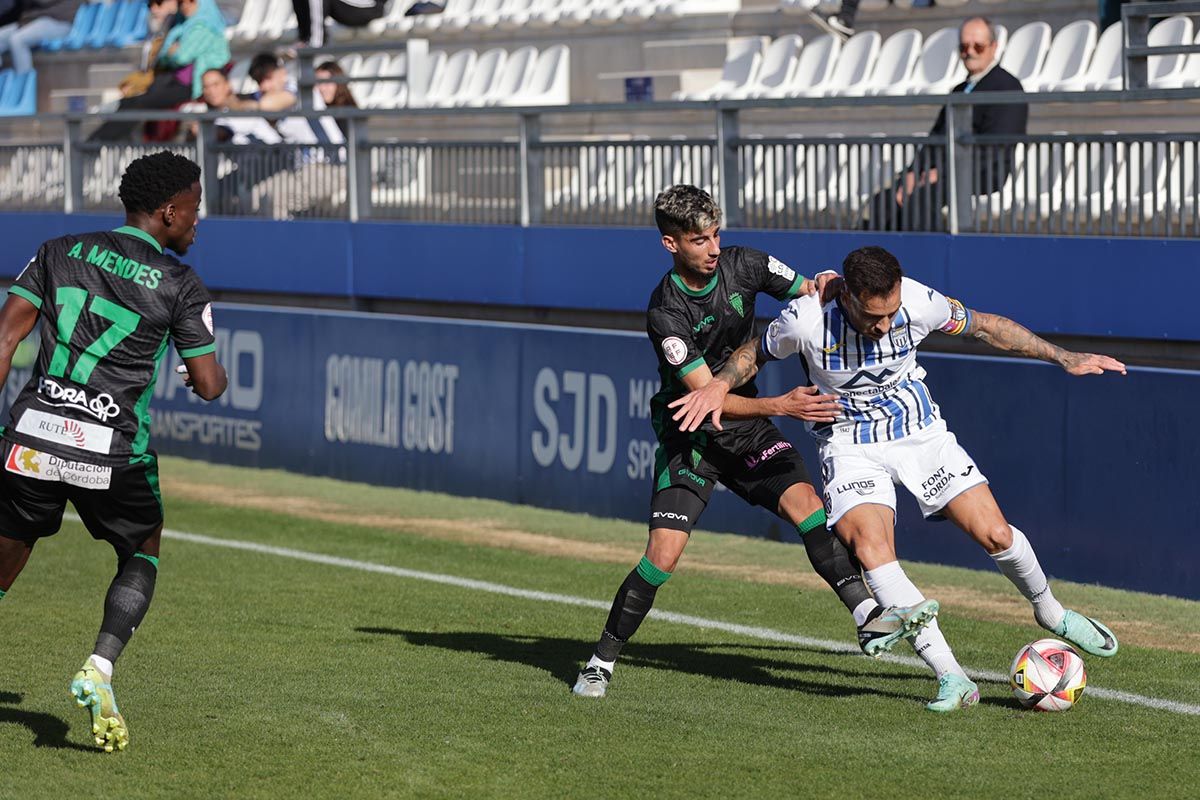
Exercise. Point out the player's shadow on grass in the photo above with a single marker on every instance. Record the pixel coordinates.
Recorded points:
(47, 729)
(752, 664)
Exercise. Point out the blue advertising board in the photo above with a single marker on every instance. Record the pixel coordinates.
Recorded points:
(1097, 471)
(1070, 285)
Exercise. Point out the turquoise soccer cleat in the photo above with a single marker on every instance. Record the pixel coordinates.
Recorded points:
(93, 692)
(954, 692)
(1090, 635)
(880, 635)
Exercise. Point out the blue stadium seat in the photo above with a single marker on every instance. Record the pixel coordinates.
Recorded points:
(18, 93)
(81, 24)
(133, 26)
(102, 27)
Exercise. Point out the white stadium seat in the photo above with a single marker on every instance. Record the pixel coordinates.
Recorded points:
(1026, 50)
(384, 93)
(778, 64)
(483, 78)
(853, 65)
(515, 15)
(1105, 64)
(743, 55)
(815, 65)
(1191, 69)
(893, 66)
(418, 89)
(451, 79)
(938, 68)
(249, 24)
(549, 82)
(1168, 71)
(1068, 57)
(517, 68)
(797, 6)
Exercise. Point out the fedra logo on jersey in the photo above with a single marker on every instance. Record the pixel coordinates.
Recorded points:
(101, 406)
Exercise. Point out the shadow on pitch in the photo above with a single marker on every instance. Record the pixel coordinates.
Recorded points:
(752, 664)
(48, 730)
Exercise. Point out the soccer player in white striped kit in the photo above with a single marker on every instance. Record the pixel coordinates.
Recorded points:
(862, 347)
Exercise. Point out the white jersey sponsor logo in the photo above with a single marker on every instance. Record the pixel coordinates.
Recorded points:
(675, 350)
(879, 383)
(207, 318)
(777, 267)
(53, 393)
(47, 467)
(69, 432)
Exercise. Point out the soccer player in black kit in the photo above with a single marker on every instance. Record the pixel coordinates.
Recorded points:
(701, 312)
(80, 429)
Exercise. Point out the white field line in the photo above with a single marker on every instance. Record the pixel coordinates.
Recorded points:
(749, 631)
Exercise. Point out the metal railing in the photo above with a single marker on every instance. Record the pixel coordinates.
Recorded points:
(515, 173)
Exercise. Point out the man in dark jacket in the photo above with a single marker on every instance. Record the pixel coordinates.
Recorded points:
(916, 202)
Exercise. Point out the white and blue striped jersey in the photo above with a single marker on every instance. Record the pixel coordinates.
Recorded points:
(879, 384)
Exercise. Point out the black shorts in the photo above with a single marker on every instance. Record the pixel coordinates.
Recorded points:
(756, 462)
(125, 510)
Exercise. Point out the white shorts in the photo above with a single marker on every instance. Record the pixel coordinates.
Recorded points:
(930, 464)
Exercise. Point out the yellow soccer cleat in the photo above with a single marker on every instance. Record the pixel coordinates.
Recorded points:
(92, 691)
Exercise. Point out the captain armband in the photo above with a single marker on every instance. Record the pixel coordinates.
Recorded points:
(960, 319)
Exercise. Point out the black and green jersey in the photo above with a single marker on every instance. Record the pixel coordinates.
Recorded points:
(690, 327)
(108, 301)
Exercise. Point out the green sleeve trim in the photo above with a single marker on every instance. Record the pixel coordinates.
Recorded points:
(794, 289)
(650, 573)
(691, 365)
(152, 559)
(2, 593)
(203, 350)
(25, 294)
(812, 521)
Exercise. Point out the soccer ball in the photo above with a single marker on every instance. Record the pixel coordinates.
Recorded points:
(1047, 675)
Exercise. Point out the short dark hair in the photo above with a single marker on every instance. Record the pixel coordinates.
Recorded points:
(263, 65)
(685, 209)
(152, 180)
(871, 272)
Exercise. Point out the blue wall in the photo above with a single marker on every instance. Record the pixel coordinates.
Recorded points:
(1091, 286)
(1098, 471)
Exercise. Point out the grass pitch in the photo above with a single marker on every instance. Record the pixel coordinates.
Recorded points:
(257, 675)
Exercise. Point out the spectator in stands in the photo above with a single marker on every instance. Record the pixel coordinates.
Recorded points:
(163, 15)
(40, 20)
(275, 90)
(916, 203)
(310, 17)
(190, 48)
(334, 95)
(319, 170)
(219, 96)
(843, 21)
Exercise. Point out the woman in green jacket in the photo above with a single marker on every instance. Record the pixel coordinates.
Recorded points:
(193, 46)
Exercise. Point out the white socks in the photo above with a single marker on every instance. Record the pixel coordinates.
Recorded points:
(863, 610)
(892, 587)
(103, 664)
(595, 661)
(1020, 565)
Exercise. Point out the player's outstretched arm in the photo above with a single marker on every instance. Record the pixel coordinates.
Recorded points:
(712, 396)
(17, 319)
(1004, 334)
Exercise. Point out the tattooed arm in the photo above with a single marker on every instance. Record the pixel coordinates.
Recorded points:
(713, 397)
(1004, 334)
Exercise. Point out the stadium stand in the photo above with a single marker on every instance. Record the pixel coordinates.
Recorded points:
(795, 167)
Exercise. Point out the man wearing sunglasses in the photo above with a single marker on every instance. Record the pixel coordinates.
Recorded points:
(916, 202)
